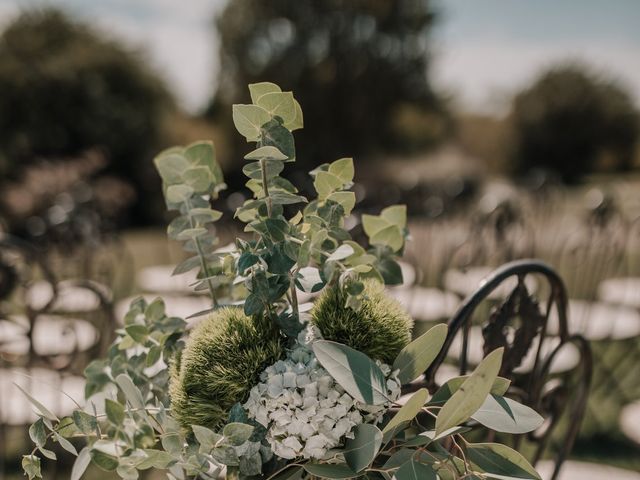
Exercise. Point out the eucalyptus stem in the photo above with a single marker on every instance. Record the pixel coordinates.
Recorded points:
(203, 263)
(294, 294)
(265, 187)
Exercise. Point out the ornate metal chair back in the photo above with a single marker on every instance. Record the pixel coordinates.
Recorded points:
(520, 323)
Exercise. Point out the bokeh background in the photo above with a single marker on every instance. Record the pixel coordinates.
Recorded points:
(510, 129)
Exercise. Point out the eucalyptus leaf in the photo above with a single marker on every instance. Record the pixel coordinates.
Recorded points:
(81, 463)
(498, 459)
(418, 355)
(361, 450)
(406, 414)
(471, 394)
(249, 119)
(333, 471)
(258, 89)
(413, 470)
(353, 370)
(506, 415)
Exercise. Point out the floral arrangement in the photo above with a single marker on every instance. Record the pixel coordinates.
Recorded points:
(264, 387)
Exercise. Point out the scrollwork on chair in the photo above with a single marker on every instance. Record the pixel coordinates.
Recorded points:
(536, 385)
(22, 268)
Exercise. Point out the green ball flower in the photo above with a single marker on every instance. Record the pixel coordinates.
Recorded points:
(380, 328)
(221, 362)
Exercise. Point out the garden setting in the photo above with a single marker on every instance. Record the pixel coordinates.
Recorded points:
(333, 268)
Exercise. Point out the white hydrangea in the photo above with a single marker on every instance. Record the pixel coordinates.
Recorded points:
(305, 411)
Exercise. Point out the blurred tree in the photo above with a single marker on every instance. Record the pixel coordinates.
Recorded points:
(358, 67)
(66, 89)
(573, 121)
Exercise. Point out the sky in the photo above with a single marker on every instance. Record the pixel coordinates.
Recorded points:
(484, 50)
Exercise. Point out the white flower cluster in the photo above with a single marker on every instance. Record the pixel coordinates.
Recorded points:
(304, 410)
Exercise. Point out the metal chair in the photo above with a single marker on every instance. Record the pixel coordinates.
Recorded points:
(519, 325)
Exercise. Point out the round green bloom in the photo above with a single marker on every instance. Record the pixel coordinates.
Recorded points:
(221, 362)
(380, 328)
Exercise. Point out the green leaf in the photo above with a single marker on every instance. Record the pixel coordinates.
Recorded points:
(171, 167)
(395, 215)
(416, 357)
(428, 436)
(259, 89)
(273, 133)
(64, 443)
(178, 193)
(155, 459)
(508, 416)
(41, 409)
(280, 104)
(342, 252)
(390, 236)
(406, 413)
(191, 233)
(38, 433)
(326, 470)
(203, 153)
(114, 411)
(103, 460)
(326, 183)
(198, 178)
(81, 464)
(138, 332)
(172, 442)
(249, 119)
(237, 433)
(206, 438)
(343, 169)
(226, 455)
(298, 121)
(131, 392)
(86, 423)
(413, 470)
(309, 280)
(268, 152)
(498, 459)
(277, 228)
(31, 466)
(353, 370)
(360, 451)
(471, 394)
(444, 393)
(345, 199)
(372, 224)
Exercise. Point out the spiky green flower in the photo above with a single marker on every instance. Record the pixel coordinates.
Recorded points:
(380, 328)
(221, 362)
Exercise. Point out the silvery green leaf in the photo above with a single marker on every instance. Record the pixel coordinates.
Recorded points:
(249, 119)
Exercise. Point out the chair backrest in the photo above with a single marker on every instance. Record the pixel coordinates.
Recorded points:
(30, 295)
(518, 323)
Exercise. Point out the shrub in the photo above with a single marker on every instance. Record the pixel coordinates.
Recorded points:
(360, 70)
(569, 119)
(221, 362)
(380, 328)
(66, 89)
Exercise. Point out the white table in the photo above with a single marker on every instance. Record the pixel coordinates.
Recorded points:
(598, 321)
(70, 298)
(52, 335)
(572, 470)
(46, 385)
(158, 279)
(465, 282)
(630, 421)
(427, 304)
(566, 359)
(621, 291)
